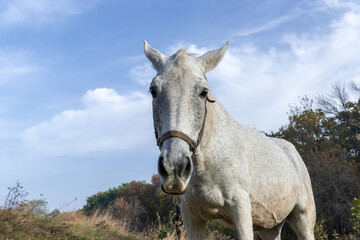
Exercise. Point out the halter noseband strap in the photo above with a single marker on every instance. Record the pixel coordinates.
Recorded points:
(178, 134)
(174, 133)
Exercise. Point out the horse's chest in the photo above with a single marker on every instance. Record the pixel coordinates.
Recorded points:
(215, 213)
(204, 195)
(207, 202)
(210, 211)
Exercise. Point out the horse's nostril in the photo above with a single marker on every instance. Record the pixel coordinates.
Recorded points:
(161, 168)
(186, 169)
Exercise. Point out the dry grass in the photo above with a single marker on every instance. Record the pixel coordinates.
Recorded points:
(68, 226)
(107, 222)
(15, 224)
(95, 221)
(79, 222)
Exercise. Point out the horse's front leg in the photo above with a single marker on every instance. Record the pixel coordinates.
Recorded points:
(195, 226)
(241, 208)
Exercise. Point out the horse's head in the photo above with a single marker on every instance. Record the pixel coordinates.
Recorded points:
(180, 91)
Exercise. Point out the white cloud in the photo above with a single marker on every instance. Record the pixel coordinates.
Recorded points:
(108, 122)
(340, 4)
(143, 74)
(266, 26)
(16, 12)
(190, 48)
(257, 86)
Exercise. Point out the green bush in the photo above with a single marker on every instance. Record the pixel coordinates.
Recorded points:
(355, 216)
(320, 231)
(38, 207)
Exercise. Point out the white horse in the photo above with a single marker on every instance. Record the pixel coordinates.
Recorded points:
(222, 169)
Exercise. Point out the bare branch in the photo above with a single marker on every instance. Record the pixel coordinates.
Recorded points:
(340, 94)
(354, 87)
(327, 104)
(336, 102)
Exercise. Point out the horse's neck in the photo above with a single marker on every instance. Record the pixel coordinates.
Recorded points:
(215, 143)
(218, 124)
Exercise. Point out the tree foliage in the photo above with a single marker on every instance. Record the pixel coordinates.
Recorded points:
(327, 138)
(102, 200)
(138, 203)
(38, 207)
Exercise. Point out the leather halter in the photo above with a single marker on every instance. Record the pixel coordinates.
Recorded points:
(178, 134)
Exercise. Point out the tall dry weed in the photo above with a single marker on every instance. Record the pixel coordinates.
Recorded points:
(96, 221)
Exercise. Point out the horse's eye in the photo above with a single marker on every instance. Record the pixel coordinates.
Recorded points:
(153, 92)
(204, 93)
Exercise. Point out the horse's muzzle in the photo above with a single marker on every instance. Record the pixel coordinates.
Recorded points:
(175, 169)
(173, 189)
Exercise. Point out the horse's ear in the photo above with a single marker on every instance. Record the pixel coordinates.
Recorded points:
(210, 59)
(156, 57)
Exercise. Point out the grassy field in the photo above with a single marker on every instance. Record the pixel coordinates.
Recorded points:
(70, 225)
(74, 225)
(16, 225)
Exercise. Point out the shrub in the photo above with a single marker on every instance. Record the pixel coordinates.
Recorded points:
(355, 216)
(320, 231)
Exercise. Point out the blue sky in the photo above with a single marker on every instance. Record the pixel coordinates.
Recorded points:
(75, 113)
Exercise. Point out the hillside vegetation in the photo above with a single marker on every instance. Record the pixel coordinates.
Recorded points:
(72, 225)
(327, 137)
(23, 219)
(19, 225)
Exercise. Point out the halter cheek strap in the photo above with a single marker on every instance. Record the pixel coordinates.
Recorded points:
(178, 134)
